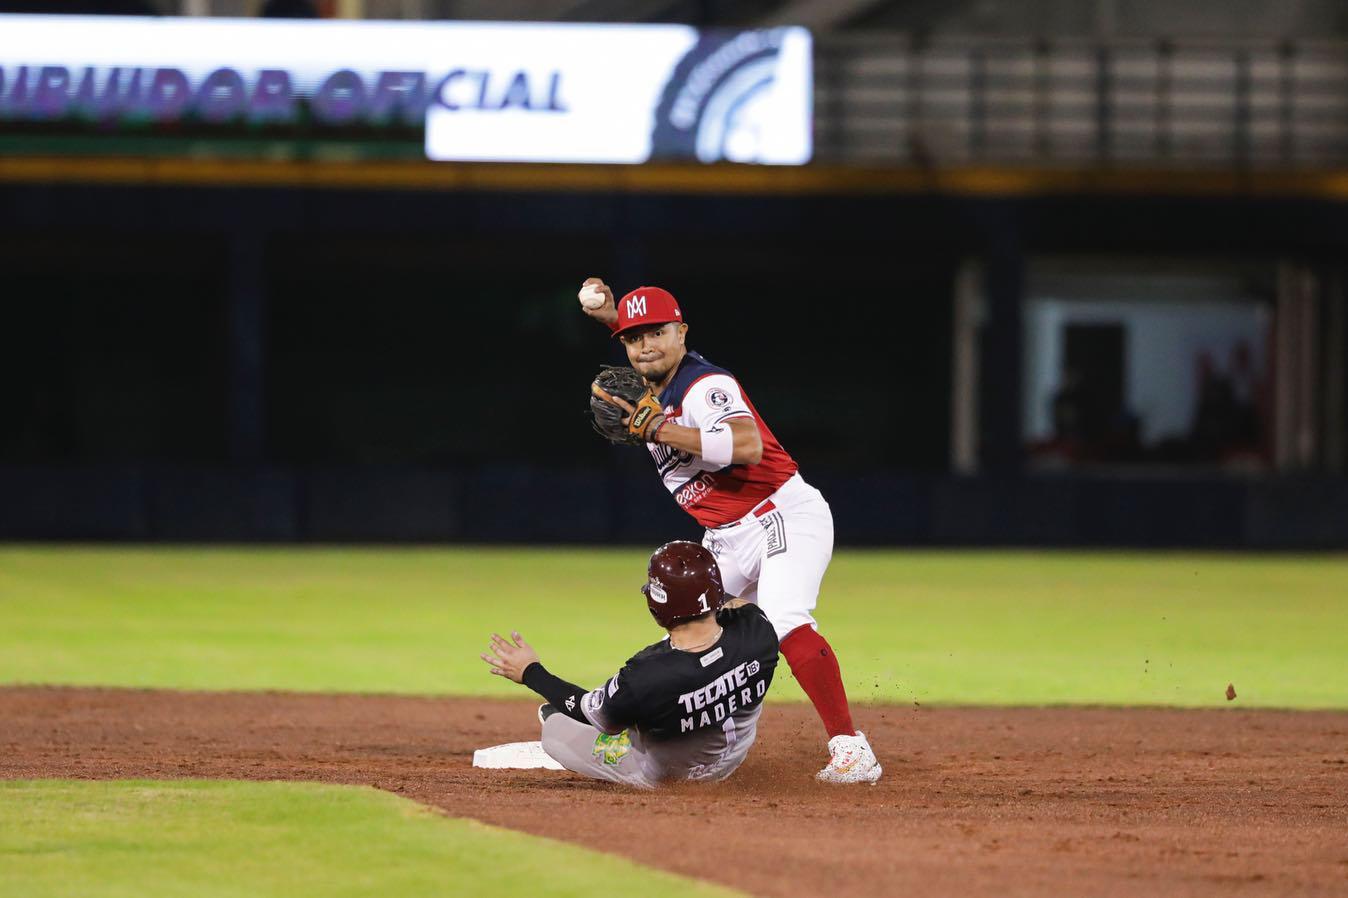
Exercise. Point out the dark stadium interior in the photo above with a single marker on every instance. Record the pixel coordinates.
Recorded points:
(313, 365)
(1060, 273)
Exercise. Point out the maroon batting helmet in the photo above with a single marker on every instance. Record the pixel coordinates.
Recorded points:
(682, 581)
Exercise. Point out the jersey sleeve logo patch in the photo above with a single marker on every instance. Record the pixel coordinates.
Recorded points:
(718, 398)
(592, 702)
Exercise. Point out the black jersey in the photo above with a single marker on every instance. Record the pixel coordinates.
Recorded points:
(667, 693)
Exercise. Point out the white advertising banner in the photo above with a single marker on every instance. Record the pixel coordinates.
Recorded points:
(484, 91)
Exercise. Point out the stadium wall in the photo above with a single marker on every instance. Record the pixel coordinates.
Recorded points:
(621, 506)
(252, 363)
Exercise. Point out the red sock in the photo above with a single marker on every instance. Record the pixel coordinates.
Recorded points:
(816, 669)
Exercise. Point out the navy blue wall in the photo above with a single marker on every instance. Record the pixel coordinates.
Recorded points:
(521, 504)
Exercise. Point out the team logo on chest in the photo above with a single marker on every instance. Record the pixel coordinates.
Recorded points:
(667, 458)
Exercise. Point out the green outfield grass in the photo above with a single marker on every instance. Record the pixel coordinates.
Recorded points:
(228, 839)
(939, 627)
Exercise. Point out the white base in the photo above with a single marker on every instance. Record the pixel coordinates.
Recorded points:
(515, 756)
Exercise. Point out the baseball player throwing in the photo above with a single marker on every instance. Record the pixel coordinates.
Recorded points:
(685, 708)
(771, 532)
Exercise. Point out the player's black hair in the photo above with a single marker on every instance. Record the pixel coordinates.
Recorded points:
(688, 620)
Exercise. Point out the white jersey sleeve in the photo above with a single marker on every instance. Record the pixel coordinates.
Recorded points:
(713, 399)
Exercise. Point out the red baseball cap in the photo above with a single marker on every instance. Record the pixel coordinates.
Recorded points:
(647, 305)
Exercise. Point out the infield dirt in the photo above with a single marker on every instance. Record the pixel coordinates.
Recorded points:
(975, 801)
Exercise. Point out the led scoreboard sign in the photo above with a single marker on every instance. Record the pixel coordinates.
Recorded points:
(464, 91)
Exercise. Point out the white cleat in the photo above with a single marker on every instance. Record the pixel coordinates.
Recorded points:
(852, 761)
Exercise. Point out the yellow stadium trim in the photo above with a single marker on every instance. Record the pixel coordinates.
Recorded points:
(669, 178)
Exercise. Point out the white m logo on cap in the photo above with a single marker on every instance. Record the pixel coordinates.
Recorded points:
(636, 306)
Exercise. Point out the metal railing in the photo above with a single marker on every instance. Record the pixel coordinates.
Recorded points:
(887, 100)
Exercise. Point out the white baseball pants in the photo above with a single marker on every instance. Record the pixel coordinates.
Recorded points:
(775, 556)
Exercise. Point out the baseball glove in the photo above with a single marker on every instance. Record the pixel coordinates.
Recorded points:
(623, 409)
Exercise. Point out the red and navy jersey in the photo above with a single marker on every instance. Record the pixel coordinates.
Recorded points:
(700, 396)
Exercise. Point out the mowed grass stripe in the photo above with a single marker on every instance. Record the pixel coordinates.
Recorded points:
(942, 627)
(225, 839)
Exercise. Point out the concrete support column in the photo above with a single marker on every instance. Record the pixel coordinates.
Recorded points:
(1001, 354)
(1336, 371)
(247, 321)
(1296, 368)
(970, 315)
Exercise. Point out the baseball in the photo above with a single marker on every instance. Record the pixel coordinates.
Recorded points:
(591, 297)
